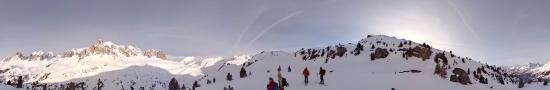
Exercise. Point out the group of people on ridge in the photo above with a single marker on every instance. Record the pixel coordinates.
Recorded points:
(272, 85)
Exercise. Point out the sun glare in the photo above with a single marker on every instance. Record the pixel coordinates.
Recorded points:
(413, 24)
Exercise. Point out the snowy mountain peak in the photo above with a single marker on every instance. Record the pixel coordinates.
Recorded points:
(102, 43)
(41, 55)
(531, 71)
(380, 38)
(525, 67)
(154, 53)
(543, 71)
(100, 47)
(104, 48)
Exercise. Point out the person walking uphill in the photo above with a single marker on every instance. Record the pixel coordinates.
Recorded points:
(306, 75)
(322, 73)
(272, 85)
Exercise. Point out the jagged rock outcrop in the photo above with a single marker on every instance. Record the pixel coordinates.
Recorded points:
(379, 53)
(440, 57)
(460, 76)
(41, 55)
(422, 51)
(440, 70)
(38, 55)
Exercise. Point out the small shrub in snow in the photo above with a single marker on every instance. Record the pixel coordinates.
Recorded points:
(440, 57)
(71, 86)
(195, 85)
(521, 84)
(20, 82)
(545, 82)
(173, 85)
(99, 84)
(229, 77)
(242, 73)
(358, 49)
(440, 71)
(214, 80)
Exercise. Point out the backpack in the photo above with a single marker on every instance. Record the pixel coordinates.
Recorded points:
(275, 86)
(322, 72)
(284, 82)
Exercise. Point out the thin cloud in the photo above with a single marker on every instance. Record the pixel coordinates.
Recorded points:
(273, 25)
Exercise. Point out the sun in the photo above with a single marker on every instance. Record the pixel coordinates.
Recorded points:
(413, 24)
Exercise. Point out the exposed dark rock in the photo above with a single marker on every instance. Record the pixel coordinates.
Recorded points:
(358, 49)
(521, 84)
(155, 53)
(173, 85)
(440, 71)
(422, 52)
(20, 82)
(412, 71)
(460, 76)
(440, 57)
(379, 53)
(545, 82)
(340, 51)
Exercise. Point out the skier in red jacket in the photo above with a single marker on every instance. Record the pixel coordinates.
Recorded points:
(306, 74)
(272, 85)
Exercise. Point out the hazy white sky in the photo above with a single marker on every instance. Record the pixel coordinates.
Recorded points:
(501, 32)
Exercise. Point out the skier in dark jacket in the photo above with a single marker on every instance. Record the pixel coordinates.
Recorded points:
(289, 70)
(306, 75)
(322, 73)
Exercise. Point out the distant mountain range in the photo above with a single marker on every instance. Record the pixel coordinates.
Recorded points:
(377, 62)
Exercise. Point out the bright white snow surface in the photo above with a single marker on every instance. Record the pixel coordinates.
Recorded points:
(343, 73)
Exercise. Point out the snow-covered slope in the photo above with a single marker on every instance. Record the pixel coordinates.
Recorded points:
(117, 66)
(377, 62)
(6, 87)
(358, 72)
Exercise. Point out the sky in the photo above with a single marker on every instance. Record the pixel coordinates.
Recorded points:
(500, 32)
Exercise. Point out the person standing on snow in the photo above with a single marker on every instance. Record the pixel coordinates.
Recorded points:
(280, 79)
(272, 85)
(306, 75)
(322, 73)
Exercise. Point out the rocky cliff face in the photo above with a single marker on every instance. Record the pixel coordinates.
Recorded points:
(154, 53)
